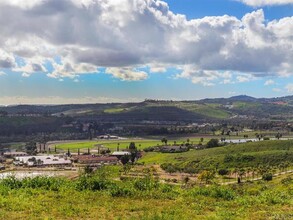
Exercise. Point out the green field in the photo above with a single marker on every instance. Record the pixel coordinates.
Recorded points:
(101, 197)
(243, 155)
(123, 144)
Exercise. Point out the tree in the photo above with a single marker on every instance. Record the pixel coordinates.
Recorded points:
(206, 176)
(31, 148)
(267, 176)
(132, 146)
(164, 140)
(223, 172)
(133, 151)
(88, 170)
(213, 143)
(124, 159)
(279, 135)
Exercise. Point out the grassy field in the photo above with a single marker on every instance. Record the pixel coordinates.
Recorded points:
(123, 144)
(99, 197)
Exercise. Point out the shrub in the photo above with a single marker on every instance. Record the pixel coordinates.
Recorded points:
(213, 143)
(149, 149)
(267, 176)
(228, 158)
(117, 191)
(287, 181)
(223, 172)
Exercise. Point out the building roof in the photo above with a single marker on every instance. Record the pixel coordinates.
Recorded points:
(46, 159)
(15, 153)
(120, 153)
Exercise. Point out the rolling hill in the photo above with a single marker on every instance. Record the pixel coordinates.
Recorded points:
(159, 110)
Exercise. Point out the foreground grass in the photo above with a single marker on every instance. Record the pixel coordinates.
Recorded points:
(100, 197)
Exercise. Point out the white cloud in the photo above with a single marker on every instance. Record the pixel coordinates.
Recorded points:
(2, 73)
(258, 3)
(123, 36)
(13, 100)
(127, 74)
(204, 77)
(158, 68)
(269, 82)
(289, 88)
(25, 74)
(242, 78)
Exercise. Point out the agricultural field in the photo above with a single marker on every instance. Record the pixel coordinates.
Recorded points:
(123, 144)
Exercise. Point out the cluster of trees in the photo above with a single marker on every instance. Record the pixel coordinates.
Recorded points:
(134, 154)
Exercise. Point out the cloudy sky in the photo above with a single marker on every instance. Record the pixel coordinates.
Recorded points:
(86, 51)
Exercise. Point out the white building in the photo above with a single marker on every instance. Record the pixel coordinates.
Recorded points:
(47, 160)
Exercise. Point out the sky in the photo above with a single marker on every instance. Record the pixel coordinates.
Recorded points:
(98, 51)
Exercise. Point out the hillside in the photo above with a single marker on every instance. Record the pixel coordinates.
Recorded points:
(159, 110)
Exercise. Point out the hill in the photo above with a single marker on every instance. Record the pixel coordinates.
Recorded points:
(159, 110)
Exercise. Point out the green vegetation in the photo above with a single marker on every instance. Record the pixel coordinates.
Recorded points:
(99, 196)
(114, 110)
(254, 154)
(123, 144)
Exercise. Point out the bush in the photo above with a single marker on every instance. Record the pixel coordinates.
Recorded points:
(228, 158)
(267, 176)
(149, 149)
(223, 172)
(287, 181)
(170, 168)
(213, 143)
(145, 184)
(117, 191)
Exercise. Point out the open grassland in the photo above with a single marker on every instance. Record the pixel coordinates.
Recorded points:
(123, 144)
(100, 197)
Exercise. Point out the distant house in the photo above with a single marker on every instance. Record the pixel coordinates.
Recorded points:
(108, 137)
(14, 154)
(95, 160)
(120, 154)
(48, 161)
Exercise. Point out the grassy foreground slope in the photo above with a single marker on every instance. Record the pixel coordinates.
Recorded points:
(98, 197)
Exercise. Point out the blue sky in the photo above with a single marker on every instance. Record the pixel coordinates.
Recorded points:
(138, 49)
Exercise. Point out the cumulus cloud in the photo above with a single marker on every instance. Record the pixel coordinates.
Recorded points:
(2, 73)
(124, 35)
(289, 88)
(204, 77)
(258, 3)
(127, 74)
(269, 82)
